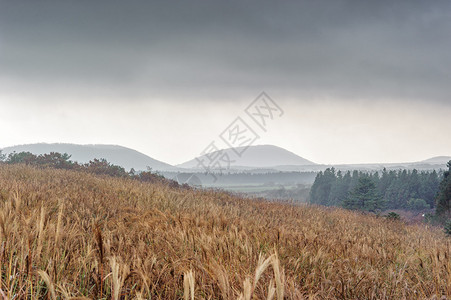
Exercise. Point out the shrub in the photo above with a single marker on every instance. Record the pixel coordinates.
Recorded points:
(102, 166)
(21, 158)
(392, 216)
(448, 227)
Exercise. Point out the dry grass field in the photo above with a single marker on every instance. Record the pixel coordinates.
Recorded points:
(67, 234)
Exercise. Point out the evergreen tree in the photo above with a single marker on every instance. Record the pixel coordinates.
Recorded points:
(364, 196)
(347, 182)
(428, 187)
(413, 184)
(443, 209)
(321, 188)
(315, 189)
(354, 179)
(341, 188)
(403, 189)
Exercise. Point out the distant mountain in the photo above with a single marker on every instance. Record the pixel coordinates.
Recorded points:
(438, 160)
(118, 155)
(263, 156)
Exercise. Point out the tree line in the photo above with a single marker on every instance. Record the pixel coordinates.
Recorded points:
(96, 166)
(394, 189)
(443, 200)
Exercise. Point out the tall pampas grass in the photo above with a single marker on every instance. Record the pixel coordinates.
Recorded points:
(73, 235)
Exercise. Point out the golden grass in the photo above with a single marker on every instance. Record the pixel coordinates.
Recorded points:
(69, 234)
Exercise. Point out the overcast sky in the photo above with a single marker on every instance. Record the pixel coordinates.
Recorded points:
(358, 81)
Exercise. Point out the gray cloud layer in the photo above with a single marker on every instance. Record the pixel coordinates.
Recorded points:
(364, 49)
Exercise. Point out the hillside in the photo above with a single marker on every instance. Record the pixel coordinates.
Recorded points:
(71, 234)
(438, 160)
(262, 156)
(118, 155)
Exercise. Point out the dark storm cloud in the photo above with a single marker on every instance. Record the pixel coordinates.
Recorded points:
(364, 49)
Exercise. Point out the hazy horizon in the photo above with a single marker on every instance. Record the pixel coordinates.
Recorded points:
(358, 82)
(197, 156)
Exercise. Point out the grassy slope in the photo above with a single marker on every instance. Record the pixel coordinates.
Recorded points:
(159, 242)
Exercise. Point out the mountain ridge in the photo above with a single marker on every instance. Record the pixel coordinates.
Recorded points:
(118, 155)
(255, 157)
(258, 156)
(437, 159)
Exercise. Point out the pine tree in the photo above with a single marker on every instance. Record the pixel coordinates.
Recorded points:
(340, 190)
(429, 187)
(443, 200)
(364, 196)
(321, 188)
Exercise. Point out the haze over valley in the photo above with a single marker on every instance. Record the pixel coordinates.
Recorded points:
(261, 170)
